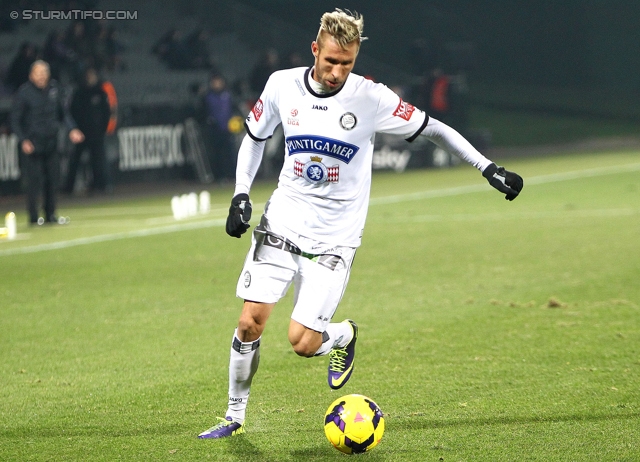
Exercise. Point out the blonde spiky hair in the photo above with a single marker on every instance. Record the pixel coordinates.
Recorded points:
(344, 26)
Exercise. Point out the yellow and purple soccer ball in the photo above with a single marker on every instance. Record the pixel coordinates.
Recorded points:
(354, 424)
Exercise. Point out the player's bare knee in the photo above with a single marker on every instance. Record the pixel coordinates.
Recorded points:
(306, 346)
(303, 350)
(249, 328)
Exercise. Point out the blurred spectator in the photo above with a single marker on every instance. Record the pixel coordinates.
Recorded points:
(172, 50)
(79, 42)
(197, 48)
(57, 54)
(107, 50)
(294, 60)
(444, 97)
(114, 51)
(101, 47)
(112, 98)
(218, 106)
(18, 72)
(191, 52)
(90, 108)
(161, 47)
(269, 63)
(36, 115)
(440, 95)
(83, 44)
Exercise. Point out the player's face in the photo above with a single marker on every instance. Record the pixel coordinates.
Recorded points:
(333, 63)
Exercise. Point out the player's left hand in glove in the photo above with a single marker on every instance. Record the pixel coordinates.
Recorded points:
(504, 181)
(239, 215)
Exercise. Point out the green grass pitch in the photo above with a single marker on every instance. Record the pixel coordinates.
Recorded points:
(489, 330)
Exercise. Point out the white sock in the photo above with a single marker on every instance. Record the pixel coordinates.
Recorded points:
(337, 335)
(243, 364)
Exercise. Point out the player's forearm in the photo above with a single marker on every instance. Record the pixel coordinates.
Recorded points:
(454, 143)
(249, 158)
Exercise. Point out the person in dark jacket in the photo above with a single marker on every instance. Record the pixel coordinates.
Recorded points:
(36, 116)
(218, 104)
(90, 109)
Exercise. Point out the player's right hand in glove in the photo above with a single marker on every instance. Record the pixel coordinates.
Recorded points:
(504, 181)
(239, 215)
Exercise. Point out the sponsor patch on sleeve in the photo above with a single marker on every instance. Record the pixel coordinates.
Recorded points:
(404, 110)
(258, 109)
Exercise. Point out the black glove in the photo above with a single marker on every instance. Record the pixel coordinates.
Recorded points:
(239, 215)
(504, 181)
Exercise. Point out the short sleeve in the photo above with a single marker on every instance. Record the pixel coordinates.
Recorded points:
(264, 116)
(398, 117)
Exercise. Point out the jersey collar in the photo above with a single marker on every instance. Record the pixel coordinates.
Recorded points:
(307, 76)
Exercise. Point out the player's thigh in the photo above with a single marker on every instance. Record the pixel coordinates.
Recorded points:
(267, 273)
(319, 287)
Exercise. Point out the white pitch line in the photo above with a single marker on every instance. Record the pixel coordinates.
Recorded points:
(587, 173)
(529, 181)
(536, 180)
(114, 237)
(560, 214)
(84, 211)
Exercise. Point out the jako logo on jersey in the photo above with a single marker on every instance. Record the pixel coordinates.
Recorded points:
(258, 109)
(321, 145)
(404, 110)
(320, 108)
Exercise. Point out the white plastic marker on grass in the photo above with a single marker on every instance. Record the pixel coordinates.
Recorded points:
(205, 202)
(10, 224)
(176, 208)
(9, 231)
(190, 205)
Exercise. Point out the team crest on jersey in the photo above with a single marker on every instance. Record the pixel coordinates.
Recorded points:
(258, 109)
(348, 120)
(321, 145)
(404, 110)
(316, 172)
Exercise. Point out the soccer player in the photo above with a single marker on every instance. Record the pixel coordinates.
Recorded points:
(313, 222)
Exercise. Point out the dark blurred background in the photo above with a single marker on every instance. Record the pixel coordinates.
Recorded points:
(573, 43)
(520, 73)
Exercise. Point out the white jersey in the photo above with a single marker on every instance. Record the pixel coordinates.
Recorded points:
(323, 188)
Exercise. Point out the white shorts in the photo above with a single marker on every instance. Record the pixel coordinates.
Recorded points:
(273, 263)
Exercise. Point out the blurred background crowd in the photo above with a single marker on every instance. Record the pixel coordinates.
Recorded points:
(502, 74)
